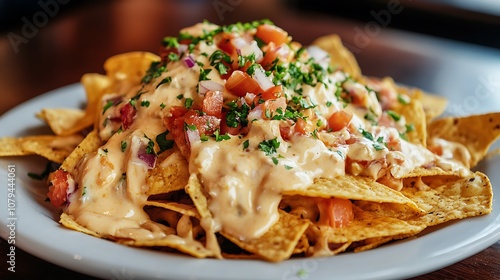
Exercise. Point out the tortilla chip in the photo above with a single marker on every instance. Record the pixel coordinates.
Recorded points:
(449, 198)
(426, 172)
(433, 105)
(172, 174)
(477, 133)
(184, 209)
(69, 222)
(90, 144)
(195, 191)
(279, 242)
(372, 243)
(370, 225)
(354, 188)
(61, 120)
(339, 55)
(129, 67)
(302, 245)
(11, 146)
(52, 147)
(415, 116)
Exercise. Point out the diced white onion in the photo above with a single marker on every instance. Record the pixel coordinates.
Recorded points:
(261, 78)
(205, 86)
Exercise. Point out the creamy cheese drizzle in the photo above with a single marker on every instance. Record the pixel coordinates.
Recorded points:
(244, 184)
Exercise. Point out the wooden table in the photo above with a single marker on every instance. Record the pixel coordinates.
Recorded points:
(76, 40)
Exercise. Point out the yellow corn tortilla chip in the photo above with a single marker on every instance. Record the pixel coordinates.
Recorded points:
(279, 242)
(370, 225)
(69, 222)
(170, 175)
(52, 147)
(61, 120)
(184, 209)
(193, 247)
(477, 133)
(302, 245)
(89, 144)
(129, 67)
(11, 146)
(415, 116)
(354, 188)
(449, 198)
(195, 191)
(339, 54)
(433, 105)
(425, 172)
(371, 243)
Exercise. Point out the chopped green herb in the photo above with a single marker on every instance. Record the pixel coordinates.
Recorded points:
(204, 74)
(153, 72)
(180, 96)
(188, 103)
(48, 168)
(123, 145)
(173, 56)
(163, 142)
(395, 116)
(162, 106)
(145, 103)
(269, 147)
(219, 137)
(275, 160)
(107, 106)
(410, 127)
(150, 148)
(367, 134)
(164, 81)
(246, 144)
(288, 167)
(403, 99)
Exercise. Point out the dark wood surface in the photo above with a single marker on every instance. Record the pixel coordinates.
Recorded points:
(76, 40)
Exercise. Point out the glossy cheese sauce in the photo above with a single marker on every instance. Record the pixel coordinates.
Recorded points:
(243, 181)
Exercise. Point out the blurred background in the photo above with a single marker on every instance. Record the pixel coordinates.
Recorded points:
(447, 47)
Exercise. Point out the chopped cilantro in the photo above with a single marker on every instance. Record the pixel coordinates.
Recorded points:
(395, 116)
(163, 142)
(162, 105)
(188, 103)
(410, 128)
(275, 160)
(48, 168)
(150, 148)
(219, 137)
(153, 72)
(246, 144)
(107, 106)
(173, 56)
(269, 147)
(217, 60)
(204, 74)
(180, 96)
(165, 80)
(123, 145)
(288, 167)
(403, 99)
(237, 115)
(204, 138)
(145, 103)
(367, 134)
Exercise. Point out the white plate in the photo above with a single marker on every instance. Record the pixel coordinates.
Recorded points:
(38, 232)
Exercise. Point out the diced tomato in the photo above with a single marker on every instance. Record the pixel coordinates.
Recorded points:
(175, 124)
(58, 190)
(212, 103)
(334, 212)
(273, 92)
(271, 33)
(391, 182)
(127, 114)
(339, 120)
(239, 83)
(300, 126)
(205, 124)
(286, 131)
(224, 128)
(225, 43)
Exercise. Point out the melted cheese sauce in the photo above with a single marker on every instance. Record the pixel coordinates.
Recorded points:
(244, 184)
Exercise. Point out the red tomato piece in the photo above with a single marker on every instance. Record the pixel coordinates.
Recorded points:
(339, 120)
(58, 190)
(239, 83)
(127, 114)
(271, 33)
(335, 212)
(212, 103)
